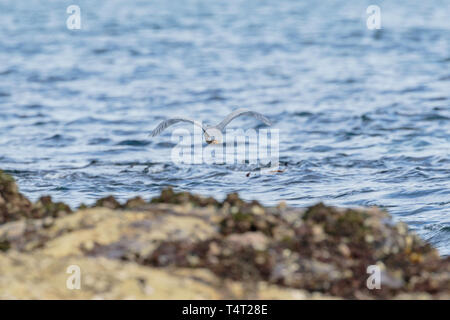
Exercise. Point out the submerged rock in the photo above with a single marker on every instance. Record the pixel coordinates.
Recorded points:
(184, 246)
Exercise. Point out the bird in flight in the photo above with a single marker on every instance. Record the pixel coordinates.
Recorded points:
(210, 132)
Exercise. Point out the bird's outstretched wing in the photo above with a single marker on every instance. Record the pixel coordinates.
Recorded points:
(242, 112)
(166, 123)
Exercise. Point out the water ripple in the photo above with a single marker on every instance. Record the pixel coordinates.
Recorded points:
(364, 116)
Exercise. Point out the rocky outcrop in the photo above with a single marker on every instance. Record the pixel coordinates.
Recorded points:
(14, 206)
(182, 246)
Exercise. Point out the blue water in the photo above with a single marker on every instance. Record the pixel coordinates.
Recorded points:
(364, 115)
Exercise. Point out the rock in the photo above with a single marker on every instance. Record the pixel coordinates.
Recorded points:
(182, 246)
(254, 240)
(45, 207)
(108, 202)
(134, 203)
(14, 206)
(172, 197)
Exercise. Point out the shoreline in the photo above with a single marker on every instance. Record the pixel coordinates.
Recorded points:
(183, 246)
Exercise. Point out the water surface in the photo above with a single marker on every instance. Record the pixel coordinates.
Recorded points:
(363, 114)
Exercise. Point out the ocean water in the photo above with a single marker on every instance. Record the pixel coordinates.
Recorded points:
(363, 115)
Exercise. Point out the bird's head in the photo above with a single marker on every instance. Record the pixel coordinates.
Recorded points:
(213, 136)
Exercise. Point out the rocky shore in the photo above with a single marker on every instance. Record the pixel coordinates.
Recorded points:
(182, 246)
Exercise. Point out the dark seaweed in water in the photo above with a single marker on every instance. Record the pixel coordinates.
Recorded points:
(363, 114)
